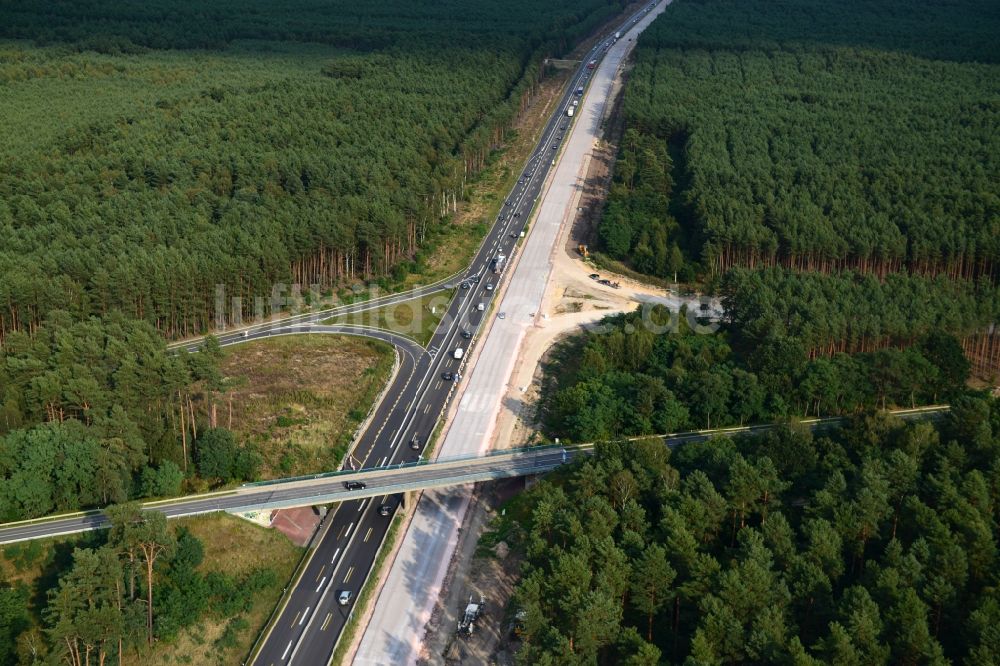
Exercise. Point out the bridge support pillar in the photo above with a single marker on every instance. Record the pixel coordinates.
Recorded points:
(407, 498)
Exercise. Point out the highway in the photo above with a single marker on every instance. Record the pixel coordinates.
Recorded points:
(403, 421)
(311, 622)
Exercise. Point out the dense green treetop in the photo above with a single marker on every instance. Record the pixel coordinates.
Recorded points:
(816, 135)
(791, 346)
(160, 149)
(872, 545)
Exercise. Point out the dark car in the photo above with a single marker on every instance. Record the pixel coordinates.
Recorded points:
(466, 334)
(604, 282)
(554, 146)
(594, 276)
(466, 285)
(447, 376)
(355, 485)
(384, 509)
(415, 442)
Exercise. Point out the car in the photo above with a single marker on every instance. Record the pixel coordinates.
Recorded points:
(466, 285)
(562, 127)
(502, 315)
(344, 597)
(415, 442)
(595, 276)
(466, 334)
(506, 203)
(481, 307)
(447, 376)
(554, 146)
(513, 234)
(474, 279)
(517, 213)
(355, 485)
(604, 282)
(489, 286)
(385, 509)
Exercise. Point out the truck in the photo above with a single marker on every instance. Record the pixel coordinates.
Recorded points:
(498, 263)
(592, 64)
(569, 111)
(618, 35)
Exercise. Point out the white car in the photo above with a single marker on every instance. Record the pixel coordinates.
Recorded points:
(481, 307)
(344, 597)
(502, 315)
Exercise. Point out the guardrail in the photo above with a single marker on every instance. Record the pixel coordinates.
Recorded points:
(453, 470)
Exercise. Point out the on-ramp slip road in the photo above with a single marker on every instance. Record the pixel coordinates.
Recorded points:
(311, 621)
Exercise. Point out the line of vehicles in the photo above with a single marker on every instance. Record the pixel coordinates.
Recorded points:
(363, 554)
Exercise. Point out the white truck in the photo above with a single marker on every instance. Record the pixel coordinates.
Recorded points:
(618, 35)
(498, 263)
(569, 111)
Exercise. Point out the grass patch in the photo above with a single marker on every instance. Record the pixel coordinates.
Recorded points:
(299, 399)
(234, 547)
(416, 318)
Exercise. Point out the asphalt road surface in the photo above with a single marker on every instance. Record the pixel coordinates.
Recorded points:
(404, 605)
(311, 622)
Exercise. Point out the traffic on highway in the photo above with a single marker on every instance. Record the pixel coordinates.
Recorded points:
(312, 619)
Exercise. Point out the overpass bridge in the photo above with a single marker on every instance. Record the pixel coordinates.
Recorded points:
(383, 482)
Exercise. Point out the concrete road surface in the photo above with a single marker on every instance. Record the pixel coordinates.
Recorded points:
(403, 608)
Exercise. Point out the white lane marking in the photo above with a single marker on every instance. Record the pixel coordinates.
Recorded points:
(334, 558)
(285, 653)
(362, 505)
(382, 464)
(349, 528)
(304, 615)
(321, 584)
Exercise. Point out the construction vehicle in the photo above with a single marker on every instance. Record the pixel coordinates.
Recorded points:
(584, 252)
(473, 611)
